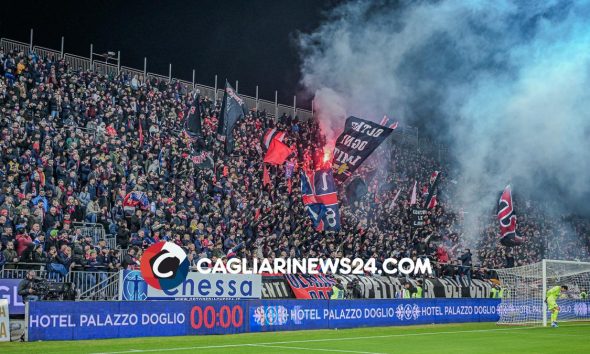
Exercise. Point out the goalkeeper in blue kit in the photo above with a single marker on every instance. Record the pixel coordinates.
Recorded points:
(551, 300)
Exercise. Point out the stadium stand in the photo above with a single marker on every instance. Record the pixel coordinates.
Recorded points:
(75, 142)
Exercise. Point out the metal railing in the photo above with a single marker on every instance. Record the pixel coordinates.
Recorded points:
(96, 231)
(47, 53)
(273, 109)
(90, 284)
(79, 63)
(106, 286)
(19, 270)
(206, 91)
(132, 72)
(76, 62)
(10, 45)
(111, 241)
(106, 69)
(157, 77)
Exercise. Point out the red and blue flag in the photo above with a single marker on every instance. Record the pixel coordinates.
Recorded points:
(320, 198)
(136, 198)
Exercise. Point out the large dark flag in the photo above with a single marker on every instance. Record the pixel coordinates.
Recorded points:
(233, 108)
(193, 137)
(431, 198)
(358, 140)
(192, 124)
(356, 190)
(320, 198)
(507, 219)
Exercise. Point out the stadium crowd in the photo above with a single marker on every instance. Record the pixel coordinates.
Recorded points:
(74, 144)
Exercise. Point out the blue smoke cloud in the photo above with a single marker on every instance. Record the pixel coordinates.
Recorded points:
(505, 84)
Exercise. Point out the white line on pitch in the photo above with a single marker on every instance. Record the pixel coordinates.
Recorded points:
(310, 349)
(326, 340)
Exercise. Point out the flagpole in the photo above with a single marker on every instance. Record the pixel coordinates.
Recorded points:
(215, 88)
(276, 105)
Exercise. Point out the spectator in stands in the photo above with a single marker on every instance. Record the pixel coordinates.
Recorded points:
(54, 264)
(70, 151)
(39, 255)
(2, 258)
(92, 209)
(96, 266)
(10, 253)
(23, 241)
(466, 266)
(130, 260)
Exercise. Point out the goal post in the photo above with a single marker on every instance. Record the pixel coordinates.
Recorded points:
(544, 304)
(524, 291)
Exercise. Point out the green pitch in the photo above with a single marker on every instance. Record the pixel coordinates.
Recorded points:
(454, 338)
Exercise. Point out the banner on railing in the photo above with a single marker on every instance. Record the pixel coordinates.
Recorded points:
(276, 287)
(9, 291)
(196, 287)
(307, 286)
(120, 319)
(385, 287)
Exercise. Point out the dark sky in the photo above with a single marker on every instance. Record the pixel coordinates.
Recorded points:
(249, 41)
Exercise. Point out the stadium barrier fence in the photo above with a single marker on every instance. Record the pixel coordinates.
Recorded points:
(79, 63)
(94, 230)
(94, 284)
(67, 320)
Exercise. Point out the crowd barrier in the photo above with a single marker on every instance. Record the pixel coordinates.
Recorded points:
(129, 285)
(133, 287)
(67, 320)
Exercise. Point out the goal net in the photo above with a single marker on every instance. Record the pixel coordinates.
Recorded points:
(524, 290)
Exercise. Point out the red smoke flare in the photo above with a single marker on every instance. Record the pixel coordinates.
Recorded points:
(327, 155)
(324, 157)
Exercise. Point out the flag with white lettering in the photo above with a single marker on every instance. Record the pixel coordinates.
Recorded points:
(358, 140)
(233, 108)
(202, 160)
(310, 286)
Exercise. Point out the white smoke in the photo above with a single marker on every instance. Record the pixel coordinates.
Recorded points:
(505, 84)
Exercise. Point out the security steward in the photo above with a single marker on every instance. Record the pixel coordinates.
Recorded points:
(338, 291)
